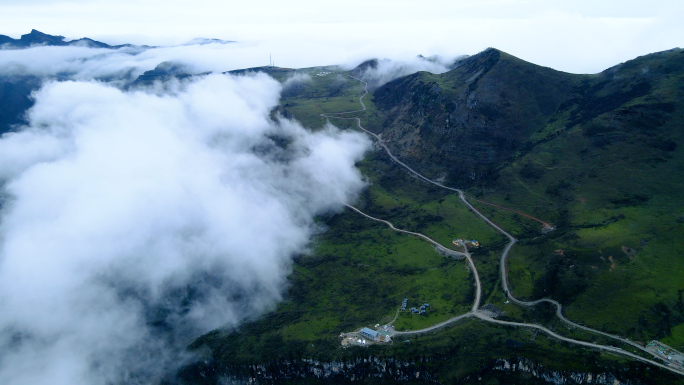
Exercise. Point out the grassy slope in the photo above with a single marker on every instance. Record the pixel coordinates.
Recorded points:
(599, 155)
(466, 122)
(609, 181)
(359, 273)
(360, 270)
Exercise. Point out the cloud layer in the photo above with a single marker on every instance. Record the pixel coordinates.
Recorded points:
(132, 221)
(579, 36)
(380, 72)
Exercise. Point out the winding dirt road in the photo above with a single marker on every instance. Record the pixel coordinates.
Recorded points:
(442, 249)
(504, 278)
(437, 245)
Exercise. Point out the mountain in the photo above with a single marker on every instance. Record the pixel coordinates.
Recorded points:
(164, 71)
(37, 38)
(33, 38)
(15, 98)
(203, 41)
(469, 121)
(16, 86)
(600, 156)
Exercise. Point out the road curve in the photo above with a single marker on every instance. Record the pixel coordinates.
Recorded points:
(435, 326)
(504, 255)
(578, 342)
(437, 245)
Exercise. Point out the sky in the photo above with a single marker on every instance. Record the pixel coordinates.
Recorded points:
(579, 36)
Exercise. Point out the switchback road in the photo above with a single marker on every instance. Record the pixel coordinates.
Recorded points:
(504, 255)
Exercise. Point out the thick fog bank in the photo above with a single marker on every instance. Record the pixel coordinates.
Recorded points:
(133, 221)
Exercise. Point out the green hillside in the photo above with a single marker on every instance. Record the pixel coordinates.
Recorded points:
(599, 156)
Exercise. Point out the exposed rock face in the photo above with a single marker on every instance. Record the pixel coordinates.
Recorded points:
(387, 370)
(554, 376)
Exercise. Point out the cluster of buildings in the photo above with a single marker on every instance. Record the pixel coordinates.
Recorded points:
(414, 310)
(422, 310)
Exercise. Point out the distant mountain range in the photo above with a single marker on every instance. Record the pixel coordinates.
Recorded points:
(37, 38)
(203, 41)
(16, 88)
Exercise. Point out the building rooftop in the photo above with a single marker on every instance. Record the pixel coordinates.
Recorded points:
(369, 332)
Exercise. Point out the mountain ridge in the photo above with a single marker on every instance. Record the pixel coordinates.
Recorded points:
(491, 104)
(36, 38)
(471, 106)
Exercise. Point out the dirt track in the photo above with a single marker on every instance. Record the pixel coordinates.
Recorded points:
(504, 278)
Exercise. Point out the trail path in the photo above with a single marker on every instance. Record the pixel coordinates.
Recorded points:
(441, 248)
(437, 245)
(547, 226)
(504, 278)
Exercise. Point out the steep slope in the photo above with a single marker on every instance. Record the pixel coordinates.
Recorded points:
(15, 99)
(608, 171)
(469, 120)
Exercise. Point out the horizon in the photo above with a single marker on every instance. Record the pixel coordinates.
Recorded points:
(348, 63)
(576, 37)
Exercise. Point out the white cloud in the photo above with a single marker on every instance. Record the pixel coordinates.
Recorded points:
(129, 209)
(296, 79)
(575, 36)
(383, 71)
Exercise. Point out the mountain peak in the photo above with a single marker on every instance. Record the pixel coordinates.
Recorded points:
(37, 38)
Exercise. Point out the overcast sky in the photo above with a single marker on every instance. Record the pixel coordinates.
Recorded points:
(575, 36)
